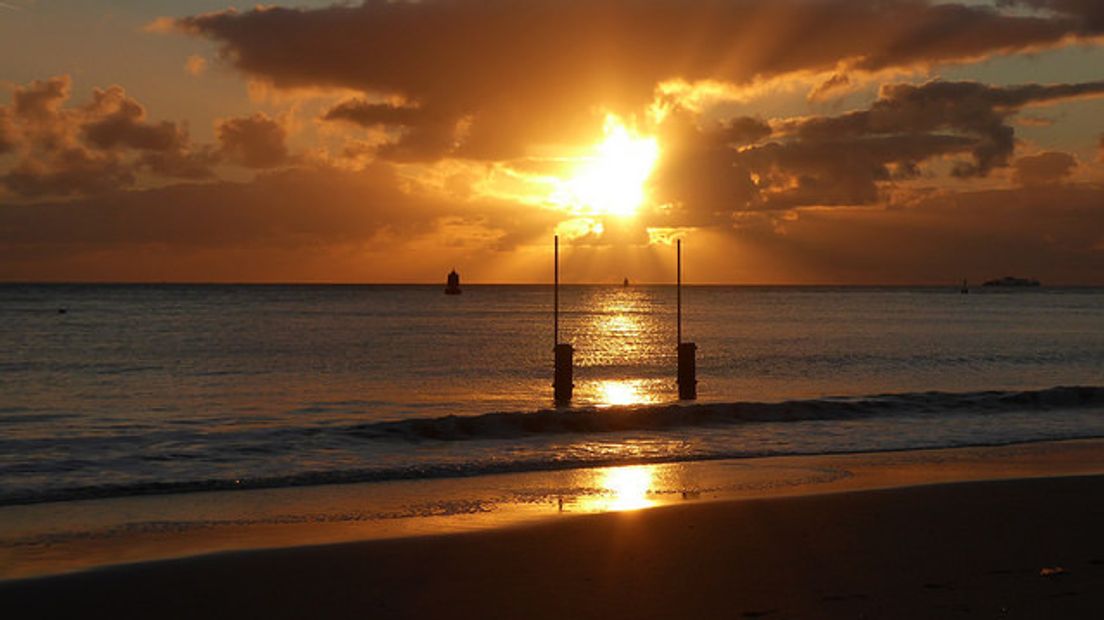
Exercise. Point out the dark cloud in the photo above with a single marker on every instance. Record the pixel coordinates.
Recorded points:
(256, 141)
(368, 114)
(421, 134)
(277, 209)
(1088, 13)
(828, 87)
(969, 108)
(68, 171)
(195, 163)
(697, 175)
(840, 172)
(120, 122)
(7, 132)
(274, 227)
(496, 75)
(1043, 169)
(742, 130)
(709, 174)
(65, 150)
(1054, 233)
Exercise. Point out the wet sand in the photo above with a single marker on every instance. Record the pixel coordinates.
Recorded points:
(975, 549)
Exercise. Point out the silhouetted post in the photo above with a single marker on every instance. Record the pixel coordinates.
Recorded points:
(562, 378)
(687, 365)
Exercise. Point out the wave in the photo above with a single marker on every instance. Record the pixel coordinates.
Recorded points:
(664, 417)
(651, 418)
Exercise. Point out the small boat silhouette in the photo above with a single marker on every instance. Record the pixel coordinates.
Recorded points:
(625, 283)
(1011, 281)
(453, 286)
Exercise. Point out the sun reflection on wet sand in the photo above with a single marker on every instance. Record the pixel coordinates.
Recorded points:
(620, 489)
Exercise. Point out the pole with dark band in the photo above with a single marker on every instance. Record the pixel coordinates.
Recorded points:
(687, 370)
(562, 385)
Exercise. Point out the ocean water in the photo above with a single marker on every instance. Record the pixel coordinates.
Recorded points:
(142, 389)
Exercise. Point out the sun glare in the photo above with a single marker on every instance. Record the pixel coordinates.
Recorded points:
(612, 180)
(629, 487)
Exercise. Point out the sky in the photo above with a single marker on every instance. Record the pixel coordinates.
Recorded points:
(784, 141)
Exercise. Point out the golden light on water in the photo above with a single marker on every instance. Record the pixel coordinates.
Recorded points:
(620, 332)
(619, 393)
(612, 180)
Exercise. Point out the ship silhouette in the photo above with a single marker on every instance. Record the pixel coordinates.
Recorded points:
(1011, 281)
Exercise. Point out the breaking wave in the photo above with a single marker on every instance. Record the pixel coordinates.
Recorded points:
(501, 432)
(663, 417)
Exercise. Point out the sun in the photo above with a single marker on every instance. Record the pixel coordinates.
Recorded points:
(612, 180)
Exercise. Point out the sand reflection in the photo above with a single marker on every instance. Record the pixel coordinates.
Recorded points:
(621, 488)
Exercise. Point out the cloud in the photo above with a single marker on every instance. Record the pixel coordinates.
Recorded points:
(274, 227)
(366, 114)
(970, 108)
(1088, 13)
(69, 170)
(195, 65)
(198, 162)
(1046, 168)
(828, 88)
(65, 150)
(119, 121)
(1052, 233)
(421, 134)
(256, 141)
(41, 99)
(709, 174)
(278, 209)
(7, 132)
(498, 75)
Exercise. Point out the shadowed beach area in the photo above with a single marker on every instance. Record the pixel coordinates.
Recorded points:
(1019, 548)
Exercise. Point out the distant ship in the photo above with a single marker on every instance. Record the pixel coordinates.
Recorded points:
(965, 287)
(453, 286)
(1010, 281)
(626, 282)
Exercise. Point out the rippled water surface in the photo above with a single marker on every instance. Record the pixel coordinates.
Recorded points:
(138, 389)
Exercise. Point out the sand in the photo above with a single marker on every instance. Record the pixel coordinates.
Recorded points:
(1026, 548)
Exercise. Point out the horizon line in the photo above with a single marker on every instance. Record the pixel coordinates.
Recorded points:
(948, 284)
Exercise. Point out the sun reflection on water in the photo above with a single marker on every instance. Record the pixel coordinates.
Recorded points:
(620, 345)
(621, 393)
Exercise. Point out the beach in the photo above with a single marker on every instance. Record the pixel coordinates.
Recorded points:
(298, 451)
(981, 549)
(547, 309)
(984, 532)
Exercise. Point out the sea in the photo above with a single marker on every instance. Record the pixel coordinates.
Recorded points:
(125, 390)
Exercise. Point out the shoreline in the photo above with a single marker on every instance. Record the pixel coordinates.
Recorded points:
(49, 539)
(1017, 548)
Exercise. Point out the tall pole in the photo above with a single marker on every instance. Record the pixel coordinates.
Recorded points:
(563, 372)
(678, 269)
(556, 292)
(687, 364)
